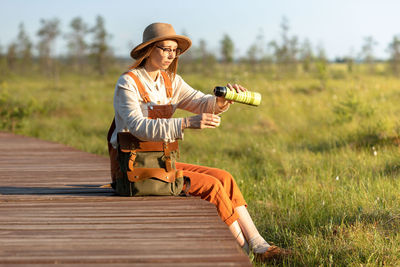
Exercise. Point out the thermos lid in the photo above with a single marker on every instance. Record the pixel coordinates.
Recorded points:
(220, 91)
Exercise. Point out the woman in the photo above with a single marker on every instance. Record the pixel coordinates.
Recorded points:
(144, 101)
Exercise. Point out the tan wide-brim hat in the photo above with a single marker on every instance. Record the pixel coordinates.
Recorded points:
(158, 32)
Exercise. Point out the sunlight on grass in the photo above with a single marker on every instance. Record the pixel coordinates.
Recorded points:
(319, 168)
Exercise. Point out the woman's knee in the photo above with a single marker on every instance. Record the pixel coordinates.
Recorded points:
(223, 176)
(206, 186)
(214, 185)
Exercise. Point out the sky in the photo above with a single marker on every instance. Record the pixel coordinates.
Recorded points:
(339, 26)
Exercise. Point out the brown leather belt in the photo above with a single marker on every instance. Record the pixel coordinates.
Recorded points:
(127, 142)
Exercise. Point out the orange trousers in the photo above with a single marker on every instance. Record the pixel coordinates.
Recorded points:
(216, 186)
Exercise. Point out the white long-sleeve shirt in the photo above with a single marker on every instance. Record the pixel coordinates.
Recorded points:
(131, 111)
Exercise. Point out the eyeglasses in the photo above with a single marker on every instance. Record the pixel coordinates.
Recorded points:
(168, 51)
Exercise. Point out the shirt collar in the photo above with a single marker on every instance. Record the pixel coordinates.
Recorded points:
(145, 75)
(148, 81)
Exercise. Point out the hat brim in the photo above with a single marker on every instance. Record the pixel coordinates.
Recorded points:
(183, 43)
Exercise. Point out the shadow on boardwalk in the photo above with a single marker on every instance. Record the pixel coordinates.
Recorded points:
(81, 190)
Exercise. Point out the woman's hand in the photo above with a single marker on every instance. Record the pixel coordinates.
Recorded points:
(201, 121)
(222, 102)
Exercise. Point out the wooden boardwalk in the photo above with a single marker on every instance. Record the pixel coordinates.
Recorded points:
(52, 211)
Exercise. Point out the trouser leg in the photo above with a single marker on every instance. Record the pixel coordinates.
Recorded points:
(216, 186)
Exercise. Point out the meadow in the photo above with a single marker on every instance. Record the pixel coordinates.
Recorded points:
(318, 162)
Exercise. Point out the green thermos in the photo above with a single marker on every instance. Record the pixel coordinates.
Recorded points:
(247, 97)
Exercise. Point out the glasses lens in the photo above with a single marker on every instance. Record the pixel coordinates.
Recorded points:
(166, 51)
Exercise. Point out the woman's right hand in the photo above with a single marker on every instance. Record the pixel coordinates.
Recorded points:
(201, 121)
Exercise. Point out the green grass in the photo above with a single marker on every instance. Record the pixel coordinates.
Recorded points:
(319, 168)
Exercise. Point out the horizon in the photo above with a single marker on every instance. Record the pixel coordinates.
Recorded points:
(341, 29)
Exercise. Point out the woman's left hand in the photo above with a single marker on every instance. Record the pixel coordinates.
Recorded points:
(222, 102)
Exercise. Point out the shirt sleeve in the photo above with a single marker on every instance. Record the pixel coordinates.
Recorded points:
(195, 101)
(127, 106)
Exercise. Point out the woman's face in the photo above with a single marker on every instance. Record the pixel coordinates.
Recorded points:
(163, 54)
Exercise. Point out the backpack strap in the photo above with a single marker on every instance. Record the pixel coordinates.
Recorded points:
(168, 84)
(110, 132)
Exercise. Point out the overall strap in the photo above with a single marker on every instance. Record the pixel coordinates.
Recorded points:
(168, 84)
(143, 94)
(142, 91)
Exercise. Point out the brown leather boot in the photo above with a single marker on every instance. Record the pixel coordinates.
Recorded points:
(272, 253)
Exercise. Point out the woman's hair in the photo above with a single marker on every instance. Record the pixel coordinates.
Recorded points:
(145, 53)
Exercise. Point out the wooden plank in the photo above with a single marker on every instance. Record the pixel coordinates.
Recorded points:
(53, 211)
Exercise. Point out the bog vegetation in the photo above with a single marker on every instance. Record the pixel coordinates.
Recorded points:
(318, 161)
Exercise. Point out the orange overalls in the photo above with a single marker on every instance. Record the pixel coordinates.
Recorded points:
(214, 185)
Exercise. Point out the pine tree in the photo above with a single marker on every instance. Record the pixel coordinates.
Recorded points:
(227, 48)
(205, 58)
(306, 55)
(367, 52)
(255, 53)
(76, 43)
(24, 48)
(101, 53)
(286, 51)
(48, 33)
(11, 56)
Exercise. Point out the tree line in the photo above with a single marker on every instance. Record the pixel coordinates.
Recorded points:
(287, 55)
(18, 56)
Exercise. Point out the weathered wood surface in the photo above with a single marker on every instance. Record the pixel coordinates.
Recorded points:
(52, 211)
